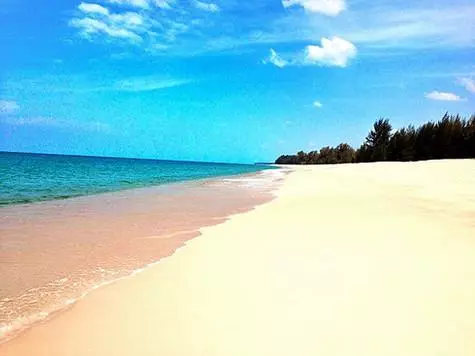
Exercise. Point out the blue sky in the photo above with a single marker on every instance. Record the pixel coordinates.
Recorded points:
(226, 80)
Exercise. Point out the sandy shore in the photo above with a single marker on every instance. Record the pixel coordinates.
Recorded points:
(371, 259)
(52, 253)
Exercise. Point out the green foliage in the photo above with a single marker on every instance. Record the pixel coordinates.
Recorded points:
(451, 137)
(343, 153)
(377, 141)
(401, 146)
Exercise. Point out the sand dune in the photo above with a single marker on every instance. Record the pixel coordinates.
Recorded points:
(369, 259)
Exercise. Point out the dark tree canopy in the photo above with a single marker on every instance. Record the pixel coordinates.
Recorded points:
(343, 153)
(377, 141)
(450, 137)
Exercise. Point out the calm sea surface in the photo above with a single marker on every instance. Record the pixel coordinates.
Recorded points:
(26, 178)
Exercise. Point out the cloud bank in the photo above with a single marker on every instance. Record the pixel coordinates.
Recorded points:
(99, 20)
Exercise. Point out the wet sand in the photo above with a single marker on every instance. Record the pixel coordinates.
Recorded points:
(52, 253)
(370, 259)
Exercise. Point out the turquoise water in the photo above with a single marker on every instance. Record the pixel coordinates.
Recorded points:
(26, 177)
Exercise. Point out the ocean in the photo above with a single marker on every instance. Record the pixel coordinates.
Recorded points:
(54, 251)
(27, 177)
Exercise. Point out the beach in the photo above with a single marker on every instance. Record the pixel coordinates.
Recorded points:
(53, 253)
(364, 259)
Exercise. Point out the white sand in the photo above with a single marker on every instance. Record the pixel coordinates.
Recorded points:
(372, 259)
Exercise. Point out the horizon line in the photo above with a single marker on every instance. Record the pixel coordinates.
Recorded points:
(130, 158)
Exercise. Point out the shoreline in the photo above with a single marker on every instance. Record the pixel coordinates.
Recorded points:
(71, 304)
(12, 331)
(143, 187)
(373, 259)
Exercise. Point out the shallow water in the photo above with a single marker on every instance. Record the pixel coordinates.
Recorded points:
(26, 177)
(54, 252)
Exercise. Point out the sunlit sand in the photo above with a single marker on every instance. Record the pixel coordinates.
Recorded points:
(368, 259)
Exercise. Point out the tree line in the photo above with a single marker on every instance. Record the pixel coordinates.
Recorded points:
(450, 137)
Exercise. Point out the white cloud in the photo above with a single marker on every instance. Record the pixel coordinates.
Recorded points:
(8, 106)
(210, 7)
(326, 7)
(333, 52)
(373, 26)
(275, 59)
(173, 30)
(380, 26)
(386, 26)
(442, 96)
(125, 18)
(317, 104)
(147, 28)
(98, 20)
(89, 26)
(164, 4)
(467, 83)
(93, 9)
(148, 84)
(130, 19)
(67, 84)
(90, 126)
(144, 4)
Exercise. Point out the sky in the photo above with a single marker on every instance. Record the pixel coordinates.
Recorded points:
(226, 80)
